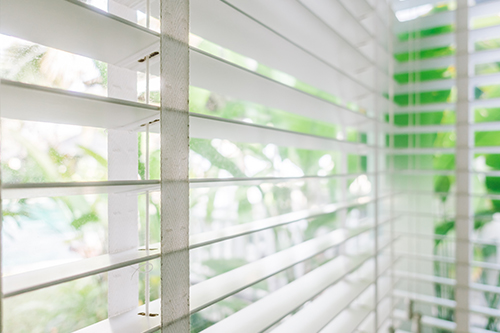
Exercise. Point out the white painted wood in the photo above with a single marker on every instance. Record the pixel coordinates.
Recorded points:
(236, 31)
(242, 277)
(36, 103)
(465, 140)
(317, 314)
(209, 72)
(106, 37)
(123, 231)
(37, 190)
(207, 127)
(42, 278)
(267, 311)
(174, 73)
(34, 280)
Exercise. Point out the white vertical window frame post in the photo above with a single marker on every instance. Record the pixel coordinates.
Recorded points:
(463, 158)
(174, 74)
(376, 169)
(1, 234)
(391, 149)
(123, 231)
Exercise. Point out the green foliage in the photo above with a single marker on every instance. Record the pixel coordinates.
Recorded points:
(426, 97)
(489, 44)
(84, 219)
(485, 21)
(445, 29)
(425, 140)
(426, 54)
(487, 92)
(316, 224)
(483, 115)
(427, 75)
(220, 266)
(63, 308)
(199, 323)
(487, 138)
(487, 68)
(424, 118)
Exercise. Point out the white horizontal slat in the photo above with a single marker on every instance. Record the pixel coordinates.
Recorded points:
(140, 5)
(129, 322)
(487, 173)
(343, 22)
(438, 323)
(425, 108)
(487, 312)
(484, 34)
(35, 190)
(210, 291)
(350, 319)
(421, 151)
(360, 7)
(212, 182)
(428, 321)
(337, 51)
(272, 222)
(486, 56)
(373, 21)
(34, 280)
(356, 21)
(479, 57)
(493, 102)
(442, 18)
(217, 75)
(481, 80)
(206, 127)
(359, 316)
(445, 84)
(317, 314)
(423, 64)
(401, 5)
(425, 22)
(486, 8)
(264, 313)
(445, 302)
(425, 298)
(485, 288)
(418, 256)
(426, 86)
(479, 330)
(236, 31)
(323, 309)
(486, 150)
(426, 278)
(486, 126)
(424, 172)
(25, 282)
(37, 103)
(75, 27)
(423, 129)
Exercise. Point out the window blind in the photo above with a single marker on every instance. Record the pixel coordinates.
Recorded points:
(265, 204)
(444, 152)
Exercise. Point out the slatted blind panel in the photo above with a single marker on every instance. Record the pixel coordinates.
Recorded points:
(282, 221)
(80, 188)
(444, 159)
(303, 203)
